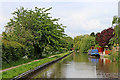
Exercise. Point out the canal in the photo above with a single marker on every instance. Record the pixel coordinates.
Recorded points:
(78, 65)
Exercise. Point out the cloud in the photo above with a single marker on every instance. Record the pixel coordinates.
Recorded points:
(88, 19)
(3, 21)
(73, 34)
(84, 20)
(92, 24)
(59, 0)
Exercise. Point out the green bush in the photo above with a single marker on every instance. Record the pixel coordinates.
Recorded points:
(12, 51)
(61, 50)
(97, 46)
(115, 57)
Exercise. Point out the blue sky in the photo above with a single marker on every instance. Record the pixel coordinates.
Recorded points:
(80, 17)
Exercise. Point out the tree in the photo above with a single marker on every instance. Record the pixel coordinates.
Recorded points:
(83, 42)
(96, 42)
(86, 43)
(116, 22)
(12, 50)
(116, 39)
(104, 37)
(68, 42)
(92, 34)
(77, 41)
(36, 30)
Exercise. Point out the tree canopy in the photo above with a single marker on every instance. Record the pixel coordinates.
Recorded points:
(116, 23)
(104, 37)
(92, 34)
(83, 42)
(36, 30)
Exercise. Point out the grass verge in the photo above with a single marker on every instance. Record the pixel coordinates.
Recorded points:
(6, 65)
(113, 56)
(19, 70)
(107, 56)
(15, 63)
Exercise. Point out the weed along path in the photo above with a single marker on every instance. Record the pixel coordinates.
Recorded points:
(17, 70)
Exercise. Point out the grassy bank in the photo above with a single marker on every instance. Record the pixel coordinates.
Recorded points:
(15, 63)
(107, 56)
(14, 72)
(113, 56)
(21, 61)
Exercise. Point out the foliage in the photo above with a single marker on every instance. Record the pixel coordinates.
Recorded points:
(97, 46)
(96, 42)
(68, 42)
(12, 50)
(115, 56)
(77, 41)
(19, 70)
(116, 22)
(36, 30)
(104, 37)
(84, 42)
(92, 34)
(0, 53)
(111, 42)
(15, 63)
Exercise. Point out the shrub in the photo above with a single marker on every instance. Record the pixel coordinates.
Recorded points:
(12, 50)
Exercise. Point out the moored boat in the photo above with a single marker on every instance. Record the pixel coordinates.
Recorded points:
(94, 52)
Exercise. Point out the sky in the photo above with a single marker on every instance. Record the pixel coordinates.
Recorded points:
(80, 17)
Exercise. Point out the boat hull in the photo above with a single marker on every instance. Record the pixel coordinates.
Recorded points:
(94, 55)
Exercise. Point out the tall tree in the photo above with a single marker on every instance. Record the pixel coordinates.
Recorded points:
(35, 29)
(77, 41)
(68, 42)
(83, 42)
(86, 43)
(104, 37)
(92, 34)
(116, 23)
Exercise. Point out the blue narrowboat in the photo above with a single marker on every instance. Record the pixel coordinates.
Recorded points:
(94, 52)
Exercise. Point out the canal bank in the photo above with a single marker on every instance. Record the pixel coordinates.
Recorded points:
(79, 65)
(32, 66)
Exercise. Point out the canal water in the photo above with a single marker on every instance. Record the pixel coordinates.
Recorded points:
(79, 65)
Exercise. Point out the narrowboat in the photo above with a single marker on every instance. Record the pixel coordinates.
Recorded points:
(94, 52)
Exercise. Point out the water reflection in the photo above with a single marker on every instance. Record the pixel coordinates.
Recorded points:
(106, 68)
(80, 66)
(94, 60)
